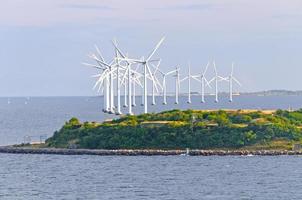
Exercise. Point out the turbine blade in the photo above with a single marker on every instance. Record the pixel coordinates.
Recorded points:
(173, 71)
(215, 69)
(92, 65)
(155, 60)
(119, 51)
(207, 66)
(158, 82)
(236, 81)
(185, 78)
(222, 78)
(99, 52)
(100, 62)
(207, 82)
(151, 75)
(195, 78)
(154, 50)
(232, 71)
(131, 60)
(95, 76)
(212, 80)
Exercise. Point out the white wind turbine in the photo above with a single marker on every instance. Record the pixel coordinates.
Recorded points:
(203, 80)
(109, 76)
(125, 95)
(164, 85)
(216, 78)
(103, 78)
(177, 84)
(118, 86)
(195, 77)
(146, 72)
(189, 83)
(133, 89)
(105, 84)
(189, 77)
(231, 78)
(135, 81)
(155, 82)
(105, 81)
(127, 73)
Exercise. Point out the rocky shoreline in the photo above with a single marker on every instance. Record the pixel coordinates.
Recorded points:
(144, 152)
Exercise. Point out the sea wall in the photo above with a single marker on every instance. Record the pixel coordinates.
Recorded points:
(144, 152)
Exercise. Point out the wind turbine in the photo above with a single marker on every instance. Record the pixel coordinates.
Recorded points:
(125, 95)
(127, 73)
(195, 77)
(133, 90)
(109, 72)
(177, 84)
(189, 84)
(103, 76)
(155, 82)
(135, 81)
(164, 89)
(203, 80)
(231, 78)
(164, 85)
(146, 71)
(105, 82)
(216, 78)
(118, 87)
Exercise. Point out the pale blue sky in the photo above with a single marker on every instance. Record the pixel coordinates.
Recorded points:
(43, 43)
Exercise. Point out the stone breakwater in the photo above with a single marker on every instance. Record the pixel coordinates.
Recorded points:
(144, 152)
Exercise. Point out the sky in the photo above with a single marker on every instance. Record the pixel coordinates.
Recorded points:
(43, 43)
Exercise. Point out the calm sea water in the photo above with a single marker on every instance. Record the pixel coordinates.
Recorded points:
(141, 178)
(118, 178)
(43, 115)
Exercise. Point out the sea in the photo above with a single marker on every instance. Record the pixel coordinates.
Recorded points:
(24, 176)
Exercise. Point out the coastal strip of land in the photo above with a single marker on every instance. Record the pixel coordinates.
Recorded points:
(145, 152)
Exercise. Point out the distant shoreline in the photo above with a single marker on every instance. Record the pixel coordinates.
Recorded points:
(193, 93)
(145, 152)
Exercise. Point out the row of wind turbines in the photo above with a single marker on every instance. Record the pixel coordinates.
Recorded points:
(124, 73)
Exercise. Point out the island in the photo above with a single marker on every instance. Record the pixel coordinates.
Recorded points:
(178, 132)
(194, 129)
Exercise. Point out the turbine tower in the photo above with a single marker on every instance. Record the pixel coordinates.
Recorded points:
(164, 85)
(216, 78)
(231, 78)
(164, 90)
(200, 78)
(203, 80)
(216, 83)
(125, 95)
(118, 86)
(127, 73)
(189, 84)
(155, 82)
(177, 85)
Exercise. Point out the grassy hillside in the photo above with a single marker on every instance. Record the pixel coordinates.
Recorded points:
(177, 129)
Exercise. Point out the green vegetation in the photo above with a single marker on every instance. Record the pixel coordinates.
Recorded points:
(177, 129)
